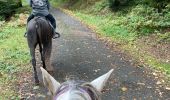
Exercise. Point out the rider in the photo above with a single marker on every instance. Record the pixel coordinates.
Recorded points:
(41, 7)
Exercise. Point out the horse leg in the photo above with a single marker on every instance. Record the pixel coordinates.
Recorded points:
(43, 58)
(42, 55)
(47, 52)
(32, 51)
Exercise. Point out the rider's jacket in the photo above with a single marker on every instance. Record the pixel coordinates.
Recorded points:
(40, 7)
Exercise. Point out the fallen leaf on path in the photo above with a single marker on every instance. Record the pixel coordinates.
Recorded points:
(41, 95)
(154, 74)
(124, 89)
(105, 90)
(158, 83)
(96, 70)
(30, 94)
(167, 88)
(108, 56)
(98, 61)
(141, 83)
(78, 49)
(163, 81)
(167, 61)
(149, 87)
(36, 87)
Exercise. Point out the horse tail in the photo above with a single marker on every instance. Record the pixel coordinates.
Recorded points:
(44, 37)
(38, 31)
(43, 30)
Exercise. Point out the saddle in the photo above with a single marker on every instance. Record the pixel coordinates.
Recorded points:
(55, 34)
(38, 16)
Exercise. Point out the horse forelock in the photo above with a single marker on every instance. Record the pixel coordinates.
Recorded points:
(77, 90)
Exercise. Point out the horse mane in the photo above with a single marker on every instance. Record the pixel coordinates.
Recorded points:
(93, 93)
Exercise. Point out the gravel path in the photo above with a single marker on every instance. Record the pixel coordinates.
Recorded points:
(80, 54)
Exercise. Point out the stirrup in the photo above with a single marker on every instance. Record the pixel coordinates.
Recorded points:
(56, 33)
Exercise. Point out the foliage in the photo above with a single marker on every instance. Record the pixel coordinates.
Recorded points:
(2, 18)
(117, 3)
(13, 59)
(128, 26)
(139, 18)
(14, 53)
(164, 37)
(158, 4)
(7, 7)
(146, 20)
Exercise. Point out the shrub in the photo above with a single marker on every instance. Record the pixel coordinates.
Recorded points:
(158, 4)
(115, 4)
(8, 6)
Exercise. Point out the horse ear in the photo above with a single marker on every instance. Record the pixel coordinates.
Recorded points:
(100, 82)
(49, 81)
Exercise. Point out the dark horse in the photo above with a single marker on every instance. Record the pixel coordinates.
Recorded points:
(39, 31)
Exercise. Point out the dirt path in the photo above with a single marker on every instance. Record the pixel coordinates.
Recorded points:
(78, 53)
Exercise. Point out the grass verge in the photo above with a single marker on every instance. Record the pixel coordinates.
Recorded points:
(14, 57)
(13, 60)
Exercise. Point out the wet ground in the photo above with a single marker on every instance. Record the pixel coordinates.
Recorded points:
(80, 54)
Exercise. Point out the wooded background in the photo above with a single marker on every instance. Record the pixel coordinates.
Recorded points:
(7, 7)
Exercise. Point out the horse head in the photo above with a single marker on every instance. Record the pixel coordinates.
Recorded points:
(75, 90)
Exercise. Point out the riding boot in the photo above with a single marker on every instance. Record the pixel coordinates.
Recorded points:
(55, 34)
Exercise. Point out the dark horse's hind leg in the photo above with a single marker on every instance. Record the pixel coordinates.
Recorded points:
(47, 47)
(32, 51)
(42, 56)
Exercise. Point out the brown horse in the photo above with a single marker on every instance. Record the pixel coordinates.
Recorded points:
(39, 31)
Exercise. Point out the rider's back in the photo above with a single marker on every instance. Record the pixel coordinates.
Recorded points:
(40, 7)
